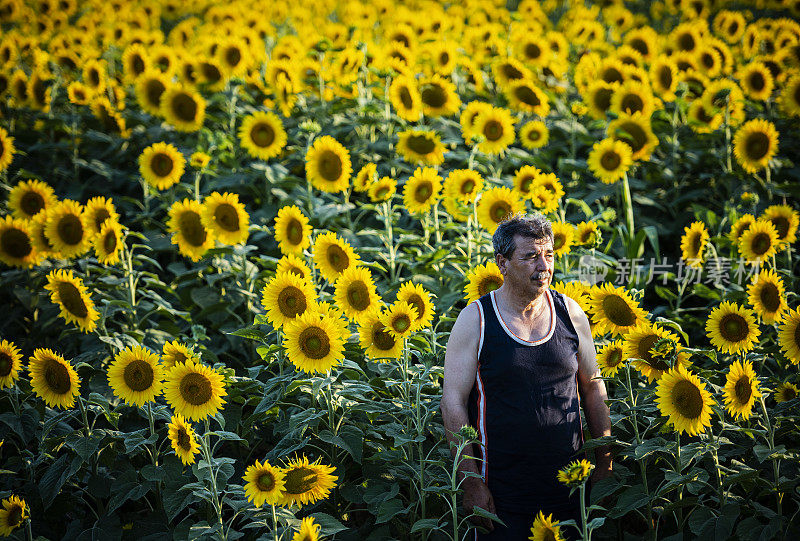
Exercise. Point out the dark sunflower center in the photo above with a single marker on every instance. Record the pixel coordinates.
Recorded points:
(467, 187)
(153, 90)
(110, 242)
(489, 283)
(70, 229)
(638, 137)
(702, 115)
(640, 45)
(300, 480)
(770, 297)
(612, 75)
(382, 339)
(559, 239)
(338, 258)
(499, 210)
(294, 232)
(444, 58)
(162, 164)
(632, 103)
(511, 72)
(14, 516)
(526, 95)
(31, 203)
(137, 65)
(423, 191)
(743, 390)
(56, 376)
(686, 398)
(100, 216)
(532, 51)
(71, 299)
(262, 135)
(756, 146)
(405, 98)
(534, 135)
(184, 107)
(211, 72)
(330, 166)
(265, 482)
(421, 144)
(138, 375)
(417, 302)
(686, 42)
(618, 311)
(610, 160)
(602, 98)
(645, 345)
(434, 96)
(191, 228)
(233, 56)
(401, 323)
(493, 130)
(757, 81)
(788, 393)
(358, 295)
(315, 343)
(733, 328)
(695, 243)
(781, 224)
(291, 302)
(741, 228)
(525, 183)
(196, 389)
(549, 535)
(226, 217)
(382, 192)
(665, 77)
(184, 442)
(6, 364)
(16, 243)
(614, 357)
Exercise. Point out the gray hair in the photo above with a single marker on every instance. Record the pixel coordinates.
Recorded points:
(533, 227)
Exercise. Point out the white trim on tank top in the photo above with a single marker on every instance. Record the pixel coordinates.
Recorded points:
(522, 341)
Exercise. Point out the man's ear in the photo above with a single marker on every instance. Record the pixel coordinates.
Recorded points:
(501, 263)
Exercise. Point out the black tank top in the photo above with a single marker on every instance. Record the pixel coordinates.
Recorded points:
(526, 409)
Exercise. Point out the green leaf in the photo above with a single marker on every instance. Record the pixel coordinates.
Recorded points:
(632, 498)
(252, 333)
(481, 512)
(425, 524)
(56, 475)
(388, 510)
(330, 525)
(127, 492)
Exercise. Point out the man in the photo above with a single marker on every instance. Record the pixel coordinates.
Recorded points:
(520, 362)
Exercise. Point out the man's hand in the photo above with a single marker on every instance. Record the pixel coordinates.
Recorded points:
(476, 493)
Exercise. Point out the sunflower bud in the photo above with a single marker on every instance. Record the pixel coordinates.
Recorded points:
(468, 433)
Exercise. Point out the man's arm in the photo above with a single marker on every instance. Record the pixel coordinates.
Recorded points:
(592, 389)
(460, 370)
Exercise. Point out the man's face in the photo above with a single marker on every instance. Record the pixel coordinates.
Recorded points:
(529, 270)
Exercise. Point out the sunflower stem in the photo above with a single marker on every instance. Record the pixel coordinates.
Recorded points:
(205, 446)
(715, 456)
(627, 204)
(639, 442)
(197, 176)
(28, 530)
(775, 461)
(85, 417)
(152, 432)
(678, 470)
(275, 524)
(584, 531)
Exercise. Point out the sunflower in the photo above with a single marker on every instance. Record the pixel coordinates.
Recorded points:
(264, 483)
(225, 217)
(400, 319)
(67, 228)
(7, 149)
(523, 95)
(759, 242)
(39, 240)
(785, 219)
(496, 127)
(664, 78)
(382, 190)
(315, 341)
(53, 379)
(149, 88)
(741, 389)
(610, 160)
(654, 350)
(28, 198)
(726, 96)
(135, 61)
(10, 363)
(406, 98)
(136, 376)
(183, 108)
(611, 357)
(497, 204)
(161, 165)
(378, 343)
(175, 352)
(17, 247)
(262, 135)
(97, 211)
(183, 439)
(108, 243)
(633, 97)
(438, 96)
(789, 98)
(756, 80)
(468, 117)
(188, 231)
(508, 70)
(292, 230)
(786, 391)
(700, 120)
(420, 299)
(614, 310)
(295, 265)
(69, 293)
(422, 190)
(534, 134)
(598, 96)
(194, 390)
(365, 177)
(13, 514)
(636, 132)
(545, 528)
(420, 147)
(199, 160)
(563, 236)
(332, 255)
(587, 234)
(732, 328)
(309, 531)
(526, 180)
(684, 399)
(328, 165)
(481, 280)
(286, 297)
(754, 144)
(693, 244)
(575, 473)
(767, 296)
(306, 482)
(355, 293)
(741, 225)
(463, 185)
(789, 335)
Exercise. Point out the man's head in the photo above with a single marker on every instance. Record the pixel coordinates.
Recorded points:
(535, 227)
(523, 248)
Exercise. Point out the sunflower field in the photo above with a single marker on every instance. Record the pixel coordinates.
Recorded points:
(234, 237)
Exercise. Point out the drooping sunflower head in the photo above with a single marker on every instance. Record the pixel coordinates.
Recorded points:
(534, 134)
(382, 190)
(767, 296)
(422, 190)
(188, 232)
(295, 265)
(355, 293)
(183, 439)
(262, 135)
(614, 310)
(497, 204)
(194, 390)
(759, 242)
(420, 147)
(365, 177)
(264, 483)
(482, 280)
(72, 298)
(315, 341)
(182, 107)
(786, 220)
(575, 473)
(10, 363)
(545, 528)
(13, 514)
(755, 143)
(28, 198)
(17, 247)
(53, 379)
(610, 160)
(136, 376)
(306, 482)
(693, 244)
(741, 389)
(225, 217)
(732, 328)
(292, 230)
(786, 391)
(684, 399)
(328, 165)
(587, 234)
